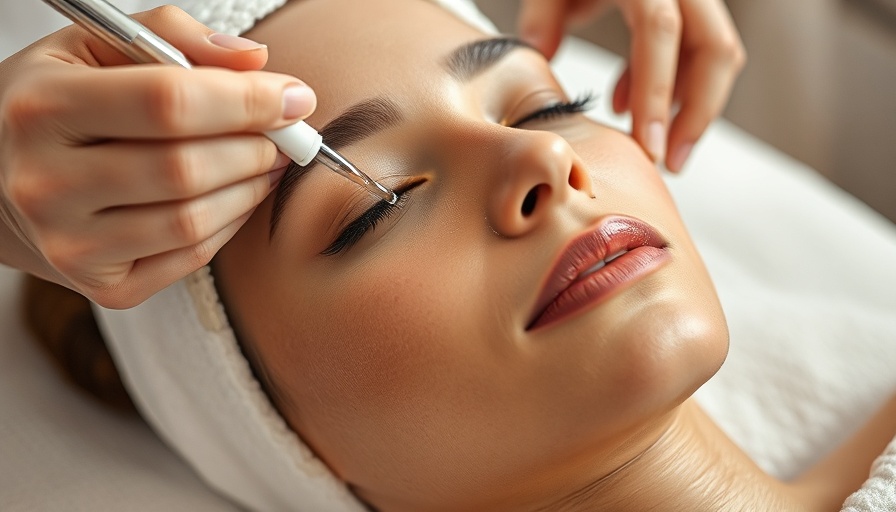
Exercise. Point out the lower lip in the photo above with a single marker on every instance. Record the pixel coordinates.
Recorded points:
(596, 287)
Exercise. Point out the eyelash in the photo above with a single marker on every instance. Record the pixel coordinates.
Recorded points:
(581, 104)
(368, 220)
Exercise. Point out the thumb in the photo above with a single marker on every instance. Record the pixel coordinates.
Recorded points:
(200, 44)
(542, 23)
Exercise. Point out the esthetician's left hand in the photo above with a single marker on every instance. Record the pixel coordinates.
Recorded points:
(682, 51)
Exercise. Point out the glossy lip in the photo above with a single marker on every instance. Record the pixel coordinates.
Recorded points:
(569, 288)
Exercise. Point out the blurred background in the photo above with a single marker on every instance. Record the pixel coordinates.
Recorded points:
(820, 83)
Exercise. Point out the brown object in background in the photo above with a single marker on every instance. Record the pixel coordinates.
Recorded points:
(62, 322)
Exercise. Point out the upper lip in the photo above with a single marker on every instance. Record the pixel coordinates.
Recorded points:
(609, 237)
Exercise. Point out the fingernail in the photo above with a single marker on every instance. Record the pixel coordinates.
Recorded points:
(274, 176)
(680, 156)
(298, 102)
(236, 43)
(656, 141)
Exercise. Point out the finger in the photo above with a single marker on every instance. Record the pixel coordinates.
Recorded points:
(621, 92)
(714, 57)
(131, 173)
(160, 102)
(581, 12)
(542, 23)
(133, 233)
(200, 44)
(656, 33)
(181, 262)
(148, 275)
(705, 92)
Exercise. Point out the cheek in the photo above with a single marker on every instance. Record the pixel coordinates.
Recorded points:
(617, 164)
(371, 382)
(368, 335)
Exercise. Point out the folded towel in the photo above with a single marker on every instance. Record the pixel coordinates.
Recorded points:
(238, 16)
(879, 492)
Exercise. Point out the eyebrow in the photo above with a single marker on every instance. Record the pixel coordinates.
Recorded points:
(358, 122)
(367, 117)
(473, 58)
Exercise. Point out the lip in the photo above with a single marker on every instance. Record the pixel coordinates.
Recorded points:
(569, 288)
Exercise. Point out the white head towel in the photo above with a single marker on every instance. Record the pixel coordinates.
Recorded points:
(237, 16)
(181, 363)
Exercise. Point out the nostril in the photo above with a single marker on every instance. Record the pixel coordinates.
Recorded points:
(575, 181)
(530, 201)
(578, 180)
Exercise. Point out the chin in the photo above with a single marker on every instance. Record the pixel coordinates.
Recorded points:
(668, 346)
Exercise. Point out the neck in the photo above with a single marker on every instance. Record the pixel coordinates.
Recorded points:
(692, 466)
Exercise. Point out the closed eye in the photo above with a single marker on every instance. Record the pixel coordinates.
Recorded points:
(368, 220)
(583, 103)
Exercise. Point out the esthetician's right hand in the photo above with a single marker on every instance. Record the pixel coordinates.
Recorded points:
(117, 180)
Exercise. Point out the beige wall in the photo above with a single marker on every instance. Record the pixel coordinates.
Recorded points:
(820, 84)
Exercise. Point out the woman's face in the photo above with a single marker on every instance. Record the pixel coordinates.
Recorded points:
(416, 360)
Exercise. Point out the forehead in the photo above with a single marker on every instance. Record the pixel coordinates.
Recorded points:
(349, 50)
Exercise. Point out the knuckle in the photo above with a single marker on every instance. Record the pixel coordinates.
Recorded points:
(55, 256)
(28, 196)
(261, 191)
(200, 255)
(63, 253)
(256, 104)
(265, 152)
(181, 165)
(660, 91)
(730, 50)
(739, 55)
(165, 15)
(24, 108)
(168, 102)
(191, 221)
(662, 18)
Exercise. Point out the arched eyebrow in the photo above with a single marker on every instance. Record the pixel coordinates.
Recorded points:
(473, 58)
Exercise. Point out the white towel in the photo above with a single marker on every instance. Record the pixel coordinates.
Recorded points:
(238, 16)
(879, 492)
(181, 363)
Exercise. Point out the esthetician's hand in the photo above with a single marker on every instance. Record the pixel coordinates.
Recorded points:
(116, 180)
(686, 51)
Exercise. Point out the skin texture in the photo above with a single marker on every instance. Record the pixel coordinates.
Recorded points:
(405, 361)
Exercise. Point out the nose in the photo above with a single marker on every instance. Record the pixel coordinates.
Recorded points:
(538, 172)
